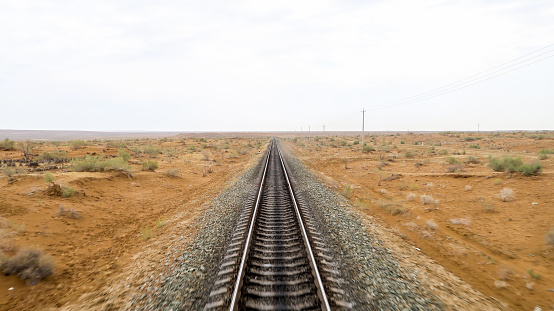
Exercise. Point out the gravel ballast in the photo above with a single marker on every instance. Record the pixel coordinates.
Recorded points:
(190, 267)
(375, 280)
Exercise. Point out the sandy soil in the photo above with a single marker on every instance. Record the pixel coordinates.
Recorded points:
(121, 225)
(487, 242)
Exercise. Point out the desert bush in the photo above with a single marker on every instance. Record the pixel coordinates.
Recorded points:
(488, 208)
(122, 153)
(146, 233)
(71, 213)
(549, 238)
(193, 148)
(367, 148)
(414, 187)
(431, 224)
(534, 275)
(542, 156)
(443, 152)
(530, 169)
(500, 284)
(170, 152)
(383, 191)
(77, 144)
(468, 188)
(456, 168)
(391, 207)
(411, 196)
(474, 146)
(160, 222)
(151, 151)
(472, 160)
(173, 173)
(508, 164)
(48, 178)
(409, 154)
(149, 165)
(427, 199)
(29, 264)
(53, 156)
(460, 221)
(506, 194)
(7, 144)
(8, 171)
(546, 151)
(68, 192)
(452, 160)
(347, 191)
(96, 164)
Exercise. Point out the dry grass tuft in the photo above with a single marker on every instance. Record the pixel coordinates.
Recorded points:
(460, 221)
(411, 196)
(427, 199)
(431, 224)
(506, 194)
(500, 284)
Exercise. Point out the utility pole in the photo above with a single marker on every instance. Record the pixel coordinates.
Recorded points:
(477, 128)
(324, 127)
(309, 130)
(363, 129)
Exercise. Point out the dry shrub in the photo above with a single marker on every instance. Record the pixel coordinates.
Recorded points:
(29, 264)
(455, 168)
(427, 199)
(411, 196)
(430, 235)
(506, 194)
(500, 284)
(383, 191)
(504, 273)
(468, 188)
(431, 224)
(71, 213)
(173, 173)
(391, 207)
(411, 226)
(460, 221)
(530, 285)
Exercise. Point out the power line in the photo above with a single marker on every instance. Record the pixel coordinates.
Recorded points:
(479, 77)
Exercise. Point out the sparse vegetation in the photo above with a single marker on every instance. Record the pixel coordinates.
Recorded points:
(71, 213)
(472, 160)
(68, 192)
(77, 144)
(411, 196)
(29, 264)
(534, 275)
(431, 224)
(428, 199)
(96, 164)
(146, 233)
(460, 221)
(7, 144)
(48, 178)
(149, 165)
(160, 222)
(122, 153)
(173, 173)
(510, 165)
(347, 191)
(54, 156)
(506, 194)
(391, 207)
(452, 160)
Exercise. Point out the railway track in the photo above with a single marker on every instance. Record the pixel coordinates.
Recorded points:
(276, 258)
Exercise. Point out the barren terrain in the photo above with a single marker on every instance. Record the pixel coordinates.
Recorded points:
(484, 226)
(107, 236)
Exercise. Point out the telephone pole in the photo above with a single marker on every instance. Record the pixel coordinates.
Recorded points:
(363, 129)
(309, 129)
(477, 128)
(324, 127)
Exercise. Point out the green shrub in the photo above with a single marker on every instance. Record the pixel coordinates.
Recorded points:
(356, 142)
(546, 151)
(96, 164)
(146, 233)
(29, 264)
(149, 165)
(347, 191)
(68, 192)
(173, 173)
(7, 144)
(126, 156)
(510, 164)
(152, 151)
(475, 146)
(53, 156)
(77, 144)
(409, 154)
(534, 275)
(530, 169)
(472, 160)
(48, 178)
(469, 138)
(367, 148)
(443, 152)
(452, 160)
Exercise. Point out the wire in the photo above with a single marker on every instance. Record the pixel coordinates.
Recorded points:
(479, 77)
(457, 88)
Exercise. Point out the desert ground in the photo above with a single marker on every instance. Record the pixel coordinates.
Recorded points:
(104, 227)
(102, 213)
(438, 194)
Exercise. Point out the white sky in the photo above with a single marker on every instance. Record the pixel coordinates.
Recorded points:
(264, 66)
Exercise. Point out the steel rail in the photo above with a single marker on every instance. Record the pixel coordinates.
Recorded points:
(242, 267)
(317, 276)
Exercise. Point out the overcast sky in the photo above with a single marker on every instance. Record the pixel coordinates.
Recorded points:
(273, 65)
